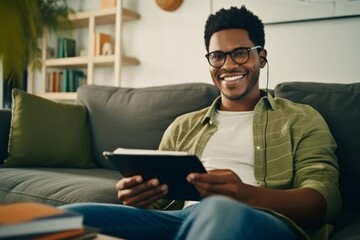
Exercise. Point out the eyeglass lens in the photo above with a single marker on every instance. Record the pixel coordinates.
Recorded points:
(218, 58)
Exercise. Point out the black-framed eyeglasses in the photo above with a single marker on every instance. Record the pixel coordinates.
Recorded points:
(239, 55)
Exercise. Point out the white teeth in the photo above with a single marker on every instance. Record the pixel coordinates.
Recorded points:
(233, 78)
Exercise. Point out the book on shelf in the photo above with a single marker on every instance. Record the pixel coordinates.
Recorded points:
(103, 44)
(66, 47)
(67, 80)
(20, 220)
(169, 167)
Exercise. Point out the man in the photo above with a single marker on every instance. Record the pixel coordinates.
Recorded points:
(272, 171)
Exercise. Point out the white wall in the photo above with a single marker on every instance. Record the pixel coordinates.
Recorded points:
(323, 51)
(169, 45)
(171, 49)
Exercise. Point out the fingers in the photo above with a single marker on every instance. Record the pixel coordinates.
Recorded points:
(125, 183)
(134, 192)
(221, 181)
(142, 191)
(145, 201)
(217, 176)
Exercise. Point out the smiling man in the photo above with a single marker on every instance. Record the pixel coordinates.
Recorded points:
(271, 168)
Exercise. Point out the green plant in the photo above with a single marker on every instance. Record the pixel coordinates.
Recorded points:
(21, 25)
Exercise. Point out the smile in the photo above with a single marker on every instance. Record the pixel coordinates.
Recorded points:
(232, 78)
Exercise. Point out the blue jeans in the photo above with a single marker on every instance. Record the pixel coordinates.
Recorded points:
(213, 218)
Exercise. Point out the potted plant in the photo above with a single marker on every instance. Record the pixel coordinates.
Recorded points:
(22, 24)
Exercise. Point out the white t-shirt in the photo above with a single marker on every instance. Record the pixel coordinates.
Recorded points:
(231, 146)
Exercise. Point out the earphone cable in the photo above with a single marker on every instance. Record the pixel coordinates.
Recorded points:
(266, 124)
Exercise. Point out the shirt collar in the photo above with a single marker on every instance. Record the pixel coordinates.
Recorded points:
(266, 99)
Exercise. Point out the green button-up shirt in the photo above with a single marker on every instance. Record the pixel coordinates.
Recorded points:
(293, 149)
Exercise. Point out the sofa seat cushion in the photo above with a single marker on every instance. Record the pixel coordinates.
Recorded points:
(58, 186)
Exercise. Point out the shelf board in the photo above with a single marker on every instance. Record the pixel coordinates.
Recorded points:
(102, 16)
(129, 15)
(81, 62)
(71, 62)
(130, 61)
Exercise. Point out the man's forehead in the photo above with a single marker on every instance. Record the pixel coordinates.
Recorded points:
(228, 39)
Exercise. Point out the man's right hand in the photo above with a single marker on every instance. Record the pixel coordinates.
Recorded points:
(133, 191)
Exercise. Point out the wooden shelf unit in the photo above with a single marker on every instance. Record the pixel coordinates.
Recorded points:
(90, 20)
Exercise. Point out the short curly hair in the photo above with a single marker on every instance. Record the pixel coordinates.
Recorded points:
(235, 18)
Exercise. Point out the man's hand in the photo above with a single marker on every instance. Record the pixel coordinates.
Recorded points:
(220, 181)
(225, 182)
(133, 191)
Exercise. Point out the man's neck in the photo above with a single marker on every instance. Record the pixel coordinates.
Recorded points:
(245, 104)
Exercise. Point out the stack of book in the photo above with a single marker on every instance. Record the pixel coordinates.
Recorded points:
(38, 221)
(67, 80)
(66, 47)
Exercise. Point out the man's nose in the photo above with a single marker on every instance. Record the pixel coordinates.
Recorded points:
(229, 62)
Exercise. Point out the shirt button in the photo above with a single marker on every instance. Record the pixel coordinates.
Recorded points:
(257, 147)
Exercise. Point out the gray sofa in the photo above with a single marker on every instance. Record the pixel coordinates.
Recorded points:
(137, 118)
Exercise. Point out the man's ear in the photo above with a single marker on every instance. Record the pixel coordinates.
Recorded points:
(263, 59)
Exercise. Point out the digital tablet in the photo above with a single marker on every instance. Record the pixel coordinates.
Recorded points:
(170, 168)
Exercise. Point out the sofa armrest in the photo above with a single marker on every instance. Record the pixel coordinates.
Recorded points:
(5, 117)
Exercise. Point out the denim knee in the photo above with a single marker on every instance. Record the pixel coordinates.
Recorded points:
(221, 205)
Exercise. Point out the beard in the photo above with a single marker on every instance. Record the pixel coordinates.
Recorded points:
(252, 83)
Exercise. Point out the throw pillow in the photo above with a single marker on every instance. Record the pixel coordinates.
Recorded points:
(44, 133)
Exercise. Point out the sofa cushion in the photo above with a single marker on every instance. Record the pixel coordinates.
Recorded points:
(58, 186)
(138, 117)
(350, 230)
(44, 133)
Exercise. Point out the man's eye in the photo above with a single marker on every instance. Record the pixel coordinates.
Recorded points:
(239, 54)
(217, 56)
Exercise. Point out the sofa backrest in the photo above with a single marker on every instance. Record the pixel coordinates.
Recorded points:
(339, 104)
(138, 117)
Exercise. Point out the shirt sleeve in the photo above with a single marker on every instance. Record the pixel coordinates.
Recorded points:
(316, 164)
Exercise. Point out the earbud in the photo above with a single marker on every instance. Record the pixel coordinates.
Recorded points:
(264, 58)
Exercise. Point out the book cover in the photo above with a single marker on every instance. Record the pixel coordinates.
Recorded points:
(59, 235)
(169, 167)
(107, 3)
(57, 81)
(29, 218)
(103, 44)
(65, 80)
(85, 233)
(69, 47)
(78, 75)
